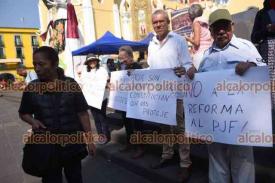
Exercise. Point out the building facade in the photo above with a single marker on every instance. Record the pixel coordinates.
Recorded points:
(128, 19)
(17, 46)
(19, 34)
(131, 19)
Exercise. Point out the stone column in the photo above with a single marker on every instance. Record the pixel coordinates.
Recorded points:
(116, 20)
(89, 24)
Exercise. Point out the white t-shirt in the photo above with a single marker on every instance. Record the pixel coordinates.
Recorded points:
(31, 75)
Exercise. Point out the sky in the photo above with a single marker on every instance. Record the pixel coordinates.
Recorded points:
(19, 13)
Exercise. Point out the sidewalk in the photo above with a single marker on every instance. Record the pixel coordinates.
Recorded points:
(264, 159)
(12, 128)
(153, 152)
(152, 155)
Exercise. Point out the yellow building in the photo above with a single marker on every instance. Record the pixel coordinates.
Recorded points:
(124, 18)
(16, 46)
(18, 34)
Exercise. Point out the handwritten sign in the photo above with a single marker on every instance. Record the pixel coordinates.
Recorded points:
(230, 108)
(94, 85)
(118, 90)
(153, 96)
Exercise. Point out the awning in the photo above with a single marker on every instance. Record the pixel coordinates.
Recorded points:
(109, 44)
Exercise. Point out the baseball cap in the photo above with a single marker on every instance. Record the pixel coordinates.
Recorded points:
(219, 14)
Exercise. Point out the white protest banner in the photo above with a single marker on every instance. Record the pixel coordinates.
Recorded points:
(94, 85)
(230, 108)
(153, 96)
(118, 90)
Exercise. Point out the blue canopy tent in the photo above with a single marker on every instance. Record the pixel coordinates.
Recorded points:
(109, 44)
(147, 39)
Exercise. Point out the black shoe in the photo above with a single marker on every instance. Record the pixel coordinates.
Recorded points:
(161, 164)
(184, 174)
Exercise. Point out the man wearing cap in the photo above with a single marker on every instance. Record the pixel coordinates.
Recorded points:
(228, 162)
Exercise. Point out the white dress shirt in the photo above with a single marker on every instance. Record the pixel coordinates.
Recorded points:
(171, 52)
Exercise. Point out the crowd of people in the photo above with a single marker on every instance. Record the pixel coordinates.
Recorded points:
(214, 47)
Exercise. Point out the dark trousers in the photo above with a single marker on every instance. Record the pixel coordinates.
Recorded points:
(100, 119)
(131, 126)
(72, 171)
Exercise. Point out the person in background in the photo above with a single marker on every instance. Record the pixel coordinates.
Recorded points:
(27, 75)
(54, 111)
(30, 75)
(141, 56)
(126, 57)
(201, 38)
(94, 70)
(141, 60)
(169, 50)
(264, 27)
(111, 65)
(229, 163)
(263, 35)
(6, 80)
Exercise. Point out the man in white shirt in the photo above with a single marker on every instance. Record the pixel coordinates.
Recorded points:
(28, 75)
(169, 50)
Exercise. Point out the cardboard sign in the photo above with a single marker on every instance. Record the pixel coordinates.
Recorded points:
(94, 87)
(230, 108)
(152, 96)
(118, 92)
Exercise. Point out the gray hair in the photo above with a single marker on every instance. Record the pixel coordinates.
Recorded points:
(128, 50)
(195, 11)
(160, 11)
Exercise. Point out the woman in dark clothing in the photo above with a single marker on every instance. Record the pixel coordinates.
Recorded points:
(53, 110)
(263, 35)
(264, 28)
